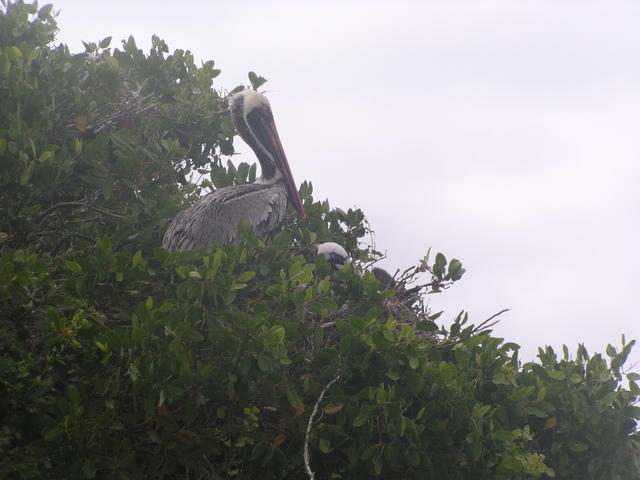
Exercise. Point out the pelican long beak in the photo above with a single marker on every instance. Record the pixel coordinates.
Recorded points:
(283, 165)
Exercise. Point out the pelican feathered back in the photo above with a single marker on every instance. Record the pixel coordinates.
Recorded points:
(214, 218)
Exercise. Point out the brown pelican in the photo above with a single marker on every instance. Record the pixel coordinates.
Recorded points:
(263, 203)
(334, 253)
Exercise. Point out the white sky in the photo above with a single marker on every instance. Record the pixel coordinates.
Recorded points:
(502, 133)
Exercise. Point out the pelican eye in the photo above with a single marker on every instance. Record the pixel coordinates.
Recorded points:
(266, 111)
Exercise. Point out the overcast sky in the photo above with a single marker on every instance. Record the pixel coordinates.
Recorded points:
(502, 133)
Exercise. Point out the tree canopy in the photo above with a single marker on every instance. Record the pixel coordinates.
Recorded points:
(122, 360)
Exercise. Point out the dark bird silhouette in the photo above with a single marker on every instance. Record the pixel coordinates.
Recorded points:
(263, 204)
(384, 277)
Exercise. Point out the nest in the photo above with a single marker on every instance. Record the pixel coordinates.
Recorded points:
(406, 306)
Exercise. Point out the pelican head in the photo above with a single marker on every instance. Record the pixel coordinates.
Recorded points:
(252, 117)
(334, 253)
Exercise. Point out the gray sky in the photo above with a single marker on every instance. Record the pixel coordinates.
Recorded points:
(502, 133)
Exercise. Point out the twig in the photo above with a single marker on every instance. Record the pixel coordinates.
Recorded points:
(107, 213)
(64, 235)
(483, 326)
(132, 239)
(310, 422)
(132, 105)
(88, 200)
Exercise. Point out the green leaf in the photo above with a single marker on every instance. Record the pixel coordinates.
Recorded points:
(325, 446)
(481, 411)
(104, 43)
(274, 290)
(477, 448)
(578, 447)
(45, 11)
(633, 411)
(542, 393)
(633, 376)
(556, 374)
(264, 363)
(246, 276)
(44, 156)
(362, 417)
(53, 434)
(440, 264)
(504, 436)
(369, 452)
(294, 398)
(333, 408)
(73, 266)
(137, 259)
(104, 244)
(575, 378)
(393, 375)
(26, 174)
(256, 81)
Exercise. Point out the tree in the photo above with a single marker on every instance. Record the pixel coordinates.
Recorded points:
(123, 360)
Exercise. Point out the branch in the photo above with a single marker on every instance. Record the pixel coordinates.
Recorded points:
(88, 200)
(310, 422)
(483, 326)
(63, 235)
(107, 115)
(107, 213)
